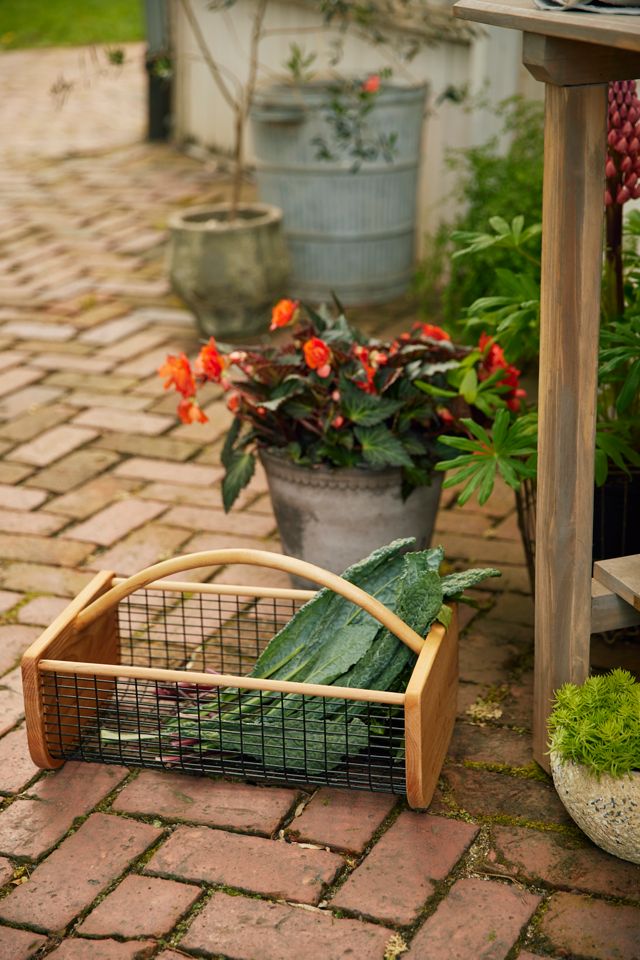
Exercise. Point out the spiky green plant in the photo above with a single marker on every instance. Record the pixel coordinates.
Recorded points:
(598, 723)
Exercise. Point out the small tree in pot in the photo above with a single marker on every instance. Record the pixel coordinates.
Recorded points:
(347, 426)
(229, 261)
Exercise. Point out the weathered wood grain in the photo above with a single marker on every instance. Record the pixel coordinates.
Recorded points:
(573, 207)
(617, 31)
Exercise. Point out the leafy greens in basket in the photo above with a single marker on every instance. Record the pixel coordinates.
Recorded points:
(328, 641)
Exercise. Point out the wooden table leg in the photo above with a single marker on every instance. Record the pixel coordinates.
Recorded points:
(573, 206)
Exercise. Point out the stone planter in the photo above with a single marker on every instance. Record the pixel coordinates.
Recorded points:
(230, 273)
(335, 517)
(606, 809)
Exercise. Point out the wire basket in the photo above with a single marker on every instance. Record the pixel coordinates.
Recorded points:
(151, 672)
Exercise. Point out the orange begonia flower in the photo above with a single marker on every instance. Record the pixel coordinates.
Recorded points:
(233, 402)
(190, 412)
(494, 360)
(371, 84)
(284, 313)
(178, 372)
(317, 356)
(432, 331)
(210, 364)
(370, 360)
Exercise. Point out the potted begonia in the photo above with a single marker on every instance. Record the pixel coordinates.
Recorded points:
(595, 759)
(347, 426)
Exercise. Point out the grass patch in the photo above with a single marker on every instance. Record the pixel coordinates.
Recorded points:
(63, 23)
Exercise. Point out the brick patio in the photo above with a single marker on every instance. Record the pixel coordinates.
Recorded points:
(114, 864)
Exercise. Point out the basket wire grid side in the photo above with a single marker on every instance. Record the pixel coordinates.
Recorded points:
(226, 633)
(248, 734)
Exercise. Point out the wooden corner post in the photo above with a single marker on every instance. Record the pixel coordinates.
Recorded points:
(573, 214)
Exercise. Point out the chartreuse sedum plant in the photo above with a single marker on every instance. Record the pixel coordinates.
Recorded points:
(597, 724)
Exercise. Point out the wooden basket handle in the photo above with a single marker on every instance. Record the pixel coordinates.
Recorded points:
(258, 558)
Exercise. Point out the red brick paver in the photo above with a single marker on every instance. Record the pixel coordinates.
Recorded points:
(18, 498)
(477, 919)
(557, 861)
(342, 818)
(115, 521)
(485, 794)
(14, 640)
(42, 610)
(6, 871)
(280, 869)
(216, 803)
(397, 877)
(19, 944)
(16, 766)
(77, 871)
(141, 906)
(52, 445)
(30, 826)
(79, 949)
(592, 928)
(245, 929)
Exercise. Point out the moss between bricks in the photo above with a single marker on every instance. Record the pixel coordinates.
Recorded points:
(11, 616)
(531, 772)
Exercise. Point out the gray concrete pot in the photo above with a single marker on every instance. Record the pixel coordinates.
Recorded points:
(607, 808)
(230, 273)
(334, 517)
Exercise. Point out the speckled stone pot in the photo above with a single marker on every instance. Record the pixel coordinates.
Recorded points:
(229, 272)
(335, 517)
(606, 809)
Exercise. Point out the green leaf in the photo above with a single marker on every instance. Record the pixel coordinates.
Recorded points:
(629, 389)
(289, 387)
(434, 391)
(239, 470)
(516, 226)
(380, 448)
(499, 225)
(469, 386)
(444, 616)
(365, 409)
(228, 449)
(454, 584)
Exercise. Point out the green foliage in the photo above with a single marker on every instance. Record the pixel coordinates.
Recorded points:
(598, 724)
(491, 182)
(46, 23)
(300, 63)
(509, 450)
(512, 311)
(348, 106)
(380, 448)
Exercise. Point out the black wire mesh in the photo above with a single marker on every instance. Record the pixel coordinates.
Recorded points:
(248, 734)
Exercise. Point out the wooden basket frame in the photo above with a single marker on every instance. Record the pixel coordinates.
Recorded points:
(83, 641)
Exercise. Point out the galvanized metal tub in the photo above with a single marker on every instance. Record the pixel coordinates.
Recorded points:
(349, 231)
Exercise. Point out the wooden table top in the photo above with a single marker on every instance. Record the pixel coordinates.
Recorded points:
(611, 30)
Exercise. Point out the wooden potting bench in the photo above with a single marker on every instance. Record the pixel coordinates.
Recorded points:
(575, 54)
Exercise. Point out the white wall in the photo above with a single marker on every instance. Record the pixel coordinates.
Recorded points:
(489, 63)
